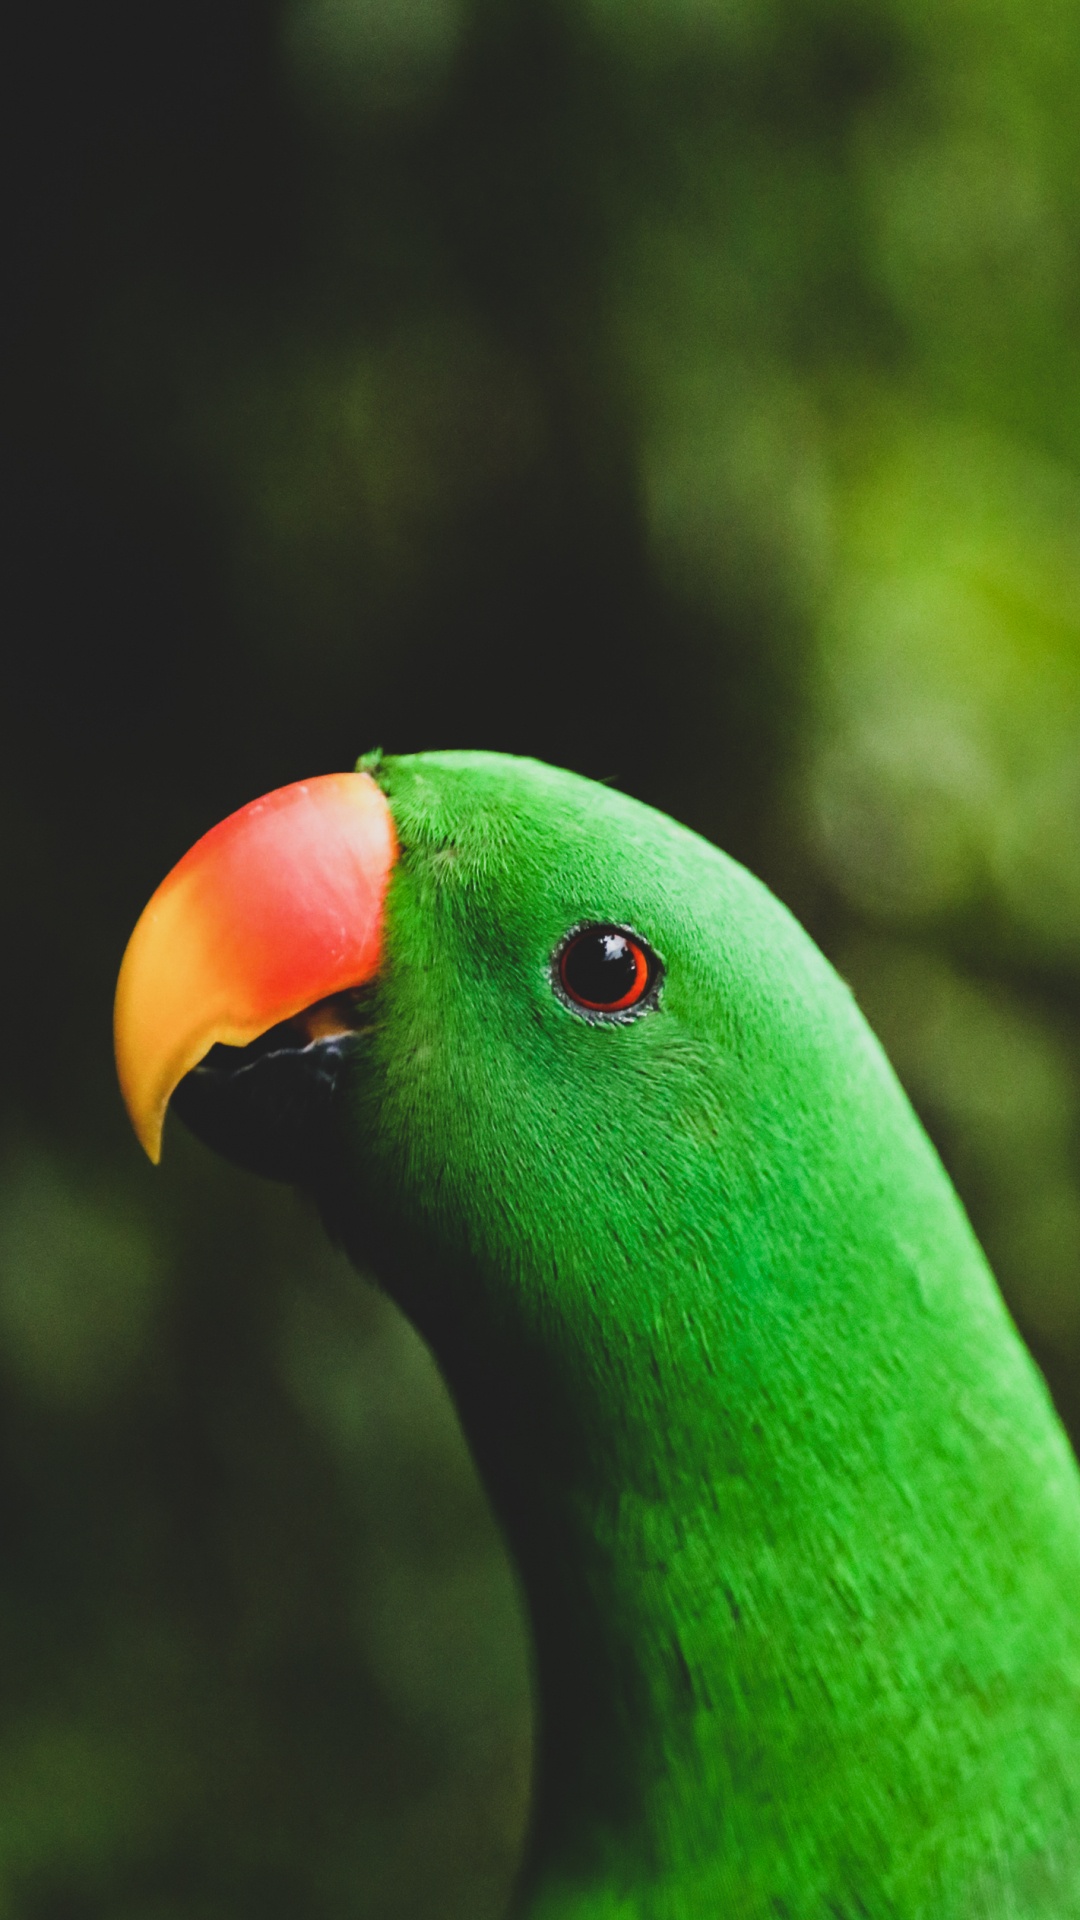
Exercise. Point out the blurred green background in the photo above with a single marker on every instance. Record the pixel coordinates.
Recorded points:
(686, 391)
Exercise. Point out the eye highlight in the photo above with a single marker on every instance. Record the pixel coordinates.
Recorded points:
(606, 973)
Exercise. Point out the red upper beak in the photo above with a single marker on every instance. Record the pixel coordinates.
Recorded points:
(278, 907)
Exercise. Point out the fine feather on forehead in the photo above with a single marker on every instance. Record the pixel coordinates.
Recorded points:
(474, 808)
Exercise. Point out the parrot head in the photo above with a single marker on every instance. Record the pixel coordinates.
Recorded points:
(510, 1026)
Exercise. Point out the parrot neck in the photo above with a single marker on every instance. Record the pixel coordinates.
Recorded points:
(779, 1630)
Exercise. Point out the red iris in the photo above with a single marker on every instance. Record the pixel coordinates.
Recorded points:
(605, 970)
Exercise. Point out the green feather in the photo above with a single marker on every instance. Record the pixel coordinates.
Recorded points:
(797, 1528)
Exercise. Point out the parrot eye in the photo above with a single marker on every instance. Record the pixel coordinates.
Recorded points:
(606, 972)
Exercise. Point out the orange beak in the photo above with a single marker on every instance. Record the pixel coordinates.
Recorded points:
(278, 907)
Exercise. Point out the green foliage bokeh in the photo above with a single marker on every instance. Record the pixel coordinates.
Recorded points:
(684, 391)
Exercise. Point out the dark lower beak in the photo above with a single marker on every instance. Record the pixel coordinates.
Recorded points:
(269, 1106)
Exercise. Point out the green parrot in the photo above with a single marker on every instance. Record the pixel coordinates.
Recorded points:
(796, 1525)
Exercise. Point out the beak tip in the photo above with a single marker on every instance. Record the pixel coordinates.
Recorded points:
(147, 1125)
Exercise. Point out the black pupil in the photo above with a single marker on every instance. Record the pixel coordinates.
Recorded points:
(600, 967)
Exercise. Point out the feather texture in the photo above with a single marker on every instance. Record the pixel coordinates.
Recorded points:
(797, 1527)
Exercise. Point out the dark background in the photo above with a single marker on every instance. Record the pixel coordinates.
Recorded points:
(685, 391)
